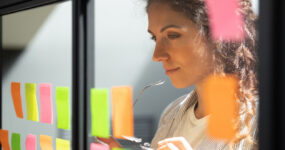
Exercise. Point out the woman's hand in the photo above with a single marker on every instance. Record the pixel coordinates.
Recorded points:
(111, 141)
(175, 143)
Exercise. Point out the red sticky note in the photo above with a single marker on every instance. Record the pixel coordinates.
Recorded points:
(4, 139)
(220, 95)
(46, 103)
(225, 22)
(123, 118)
(31, 142)
(16, 97)
(98, 146)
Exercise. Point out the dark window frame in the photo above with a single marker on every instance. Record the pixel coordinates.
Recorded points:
(271, 51)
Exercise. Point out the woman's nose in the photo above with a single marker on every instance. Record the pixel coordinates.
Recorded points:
(159, 53)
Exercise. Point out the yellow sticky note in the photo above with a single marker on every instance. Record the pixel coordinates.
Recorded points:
(45, 142)
(62, 144)
(31, 102)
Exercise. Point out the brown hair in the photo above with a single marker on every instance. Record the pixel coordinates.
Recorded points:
(231, 57)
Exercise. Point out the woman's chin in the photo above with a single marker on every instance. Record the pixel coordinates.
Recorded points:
(179, 84)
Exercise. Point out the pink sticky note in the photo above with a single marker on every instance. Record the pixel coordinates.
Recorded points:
(46, 103)
(31, 142)
(225, 22)
(98, 146)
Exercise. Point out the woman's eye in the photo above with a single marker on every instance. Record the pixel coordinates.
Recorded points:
(173, 36)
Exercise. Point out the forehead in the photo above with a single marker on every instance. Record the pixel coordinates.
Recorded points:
(160, 14)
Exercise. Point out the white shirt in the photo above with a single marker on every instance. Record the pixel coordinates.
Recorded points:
(193, 129)
(175, 115)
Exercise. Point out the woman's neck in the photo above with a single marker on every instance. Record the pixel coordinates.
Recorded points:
(200, 108)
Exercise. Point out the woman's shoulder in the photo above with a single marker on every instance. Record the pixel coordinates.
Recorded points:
(177, 103)
(174, 107)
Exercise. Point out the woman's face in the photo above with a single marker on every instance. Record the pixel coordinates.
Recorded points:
(184, 54)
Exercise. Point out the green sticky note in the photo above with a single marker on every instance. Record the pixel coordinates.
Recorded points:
(100, 113)
(62, 107)
(16, 141)
(31, 102)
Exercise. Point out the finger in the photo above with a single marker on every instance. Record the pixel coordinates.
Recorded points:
(172, 146)
(179, 142)
(163, 147)
(168, 146)
(168, 140)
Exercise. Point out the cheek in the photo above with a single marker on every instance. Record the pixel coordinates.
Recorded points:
(186, 55)
(191, 55)
(195, 61)
(194, 68)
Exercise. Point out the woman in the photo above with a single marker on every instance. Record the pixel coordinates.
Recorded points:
(180, 29)
(184, 46)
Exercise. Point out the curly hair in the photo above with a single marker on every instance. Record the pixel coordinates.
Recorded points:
(230, 57)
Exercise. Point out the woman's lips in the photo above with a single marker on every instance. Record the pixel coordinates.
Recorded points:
(170, 71)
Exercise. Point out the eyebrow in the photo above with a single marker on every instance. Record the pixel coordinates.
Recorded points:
(166, 27)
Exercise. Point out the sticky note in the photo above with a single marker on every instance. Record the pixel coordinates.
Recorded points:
(100, 113)
(225, 22)
(62, 144)
(31, 142)
(98, 146)
(62, 107)
(115, 148)
(31, 102)
(17, 100)
(45, 142)
(46, 103)
(123, 118)
(220, 95)
(4, 141)
(16, 141)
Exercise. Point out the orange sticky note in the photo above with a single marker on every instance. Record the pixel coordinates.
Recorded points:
(16, 96)
(123, 118)
(4, 139)
(220, 95)
(45, 142)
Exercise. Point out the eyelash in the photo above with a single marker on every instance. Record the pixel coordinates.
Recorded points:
(173, 36)
(170, 36)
